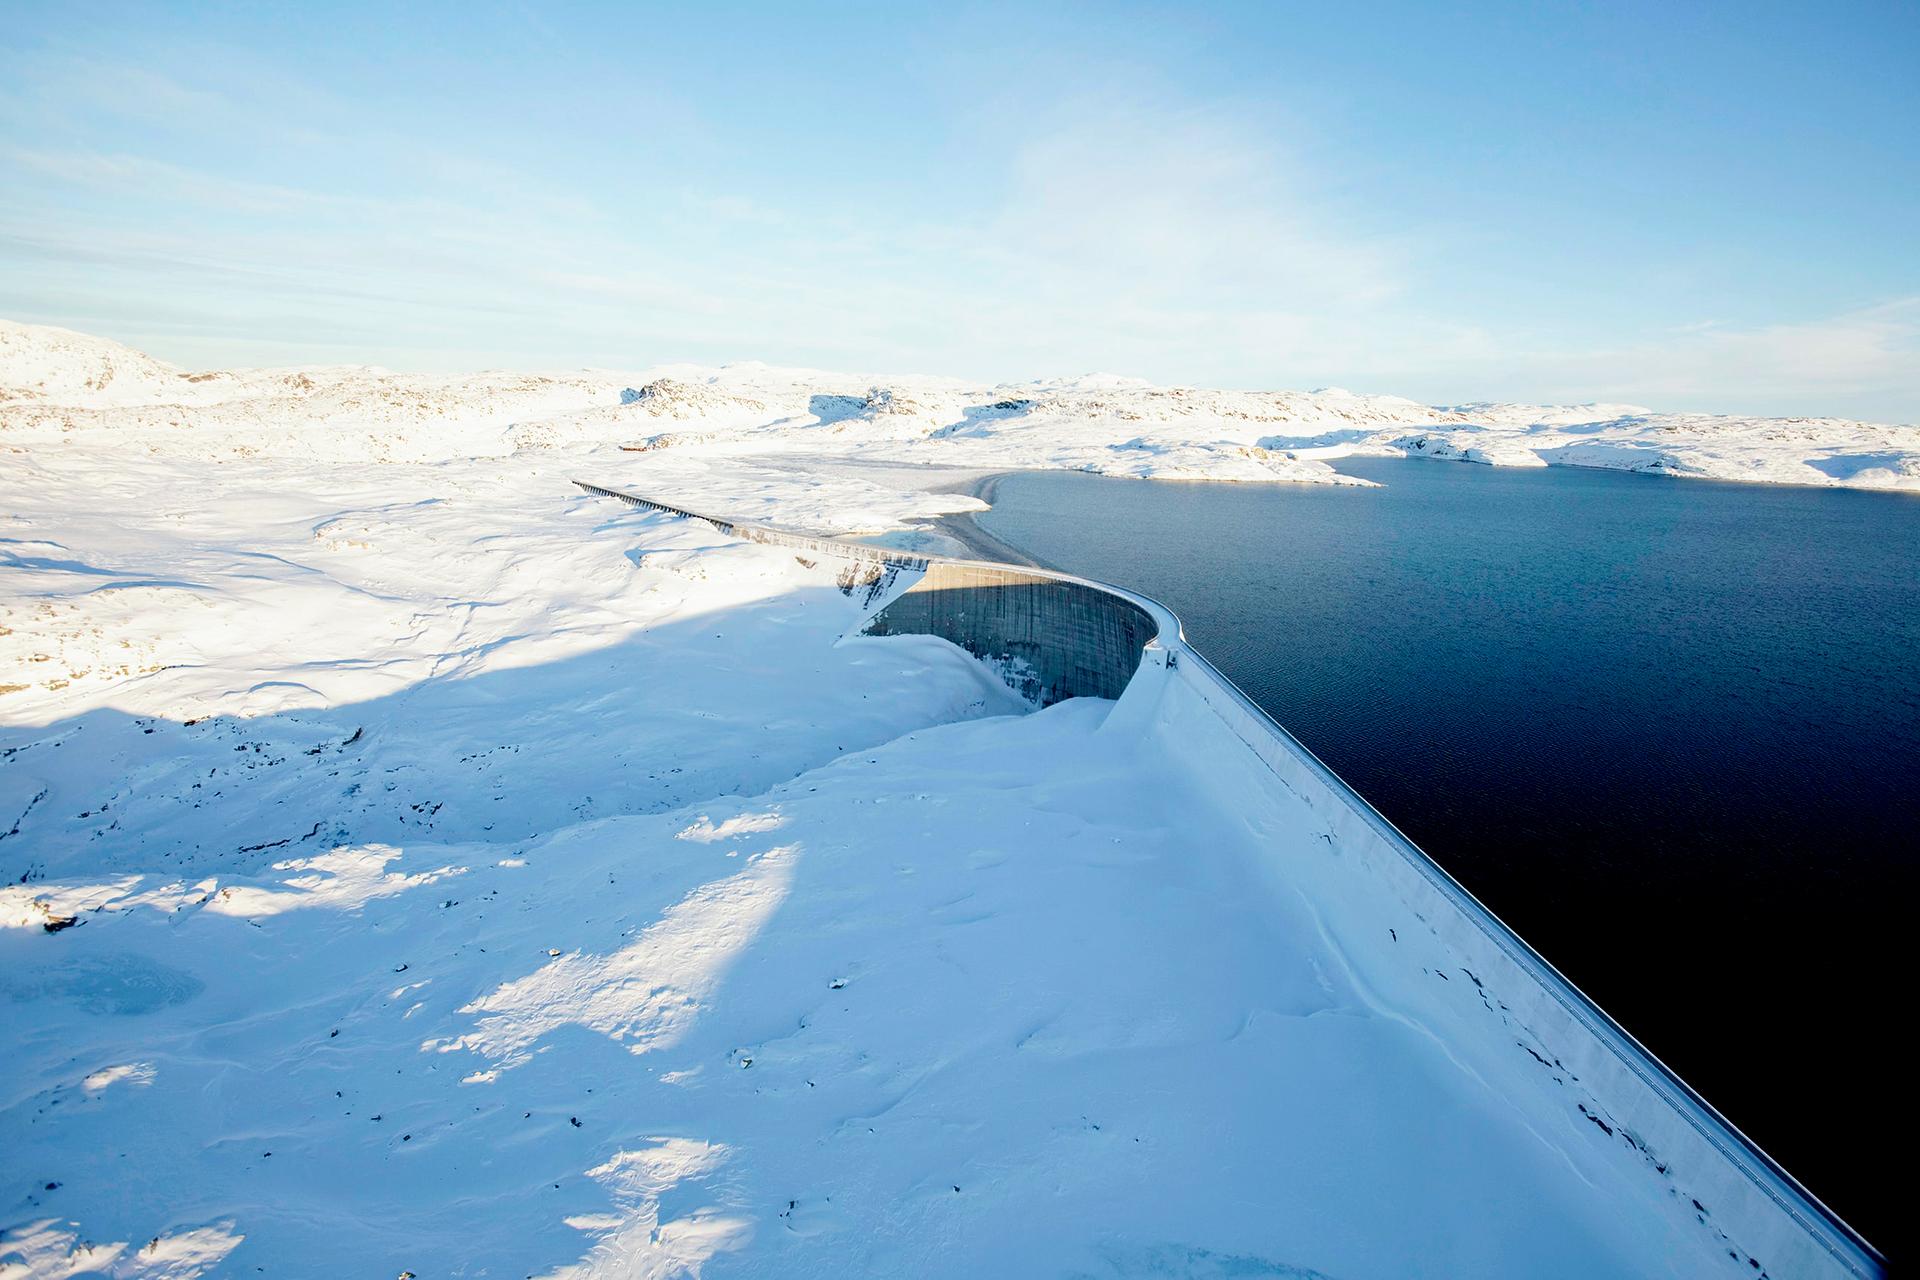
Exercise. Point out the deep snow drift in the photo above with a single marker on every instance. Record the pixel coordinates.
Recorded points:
(415, 865)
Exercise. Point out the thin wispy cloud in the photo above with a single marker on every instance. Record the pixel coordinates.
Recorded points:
(1167, 203)
(1111, 207)
(1849, 362)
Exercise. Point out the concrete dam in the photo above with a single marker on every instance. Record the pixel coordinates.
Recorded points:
(1050, 638)
(1053, 636)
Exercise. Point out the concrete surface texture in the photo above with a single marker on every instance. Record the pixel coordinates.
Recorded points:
(1050, 638)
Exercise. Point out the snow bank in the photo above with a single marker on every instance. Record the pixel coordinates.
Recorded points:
(1605, 1104)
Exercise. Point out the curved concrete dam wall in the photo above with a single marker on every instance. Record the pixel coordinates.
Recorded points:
(1051, 638)
(1495, 1002)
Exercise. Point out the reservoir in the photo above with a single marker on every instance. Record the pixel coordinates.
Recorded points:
(1668, 730)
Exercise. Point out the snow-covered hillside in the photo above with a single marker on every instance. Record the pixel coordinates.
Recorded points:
(415, 866)
(60, 385)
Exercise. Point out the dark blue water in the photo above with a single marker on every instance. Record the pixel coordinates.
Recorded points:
(1668, 730)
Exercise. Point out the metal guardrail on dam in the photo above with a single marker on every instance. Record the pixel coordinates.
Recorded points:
(1052, 635)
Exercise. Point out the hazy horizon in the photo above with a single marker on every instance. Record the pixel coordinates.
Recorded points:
(1706, 210)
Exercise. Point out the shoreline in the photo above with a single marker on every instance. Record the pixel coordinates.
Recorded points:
(964, 527)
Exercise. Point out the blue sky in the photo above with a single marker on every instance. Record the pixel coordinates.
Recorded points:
(1692, 206)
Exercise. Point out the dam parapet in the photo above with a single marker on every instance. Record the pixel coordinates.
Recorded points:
(1417, 938)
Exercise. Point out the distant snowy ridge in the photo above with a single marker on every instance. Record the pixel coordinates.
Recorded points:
(56, 383)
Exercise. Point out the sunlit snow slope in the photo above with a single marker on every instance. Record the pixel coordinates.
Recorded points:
(413, 864)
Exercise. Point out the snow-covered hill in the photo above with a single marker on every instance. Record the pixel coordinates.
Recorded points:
(55, 384)
(40, 364)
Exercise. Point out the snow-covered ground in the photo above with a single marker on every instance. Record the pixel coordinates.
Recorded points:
(60, 385)
(415, 865)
